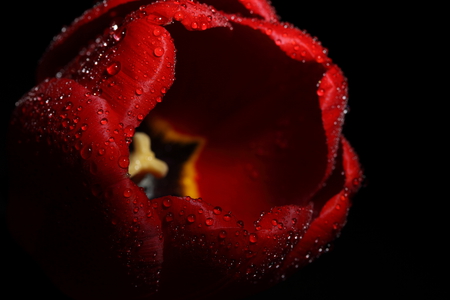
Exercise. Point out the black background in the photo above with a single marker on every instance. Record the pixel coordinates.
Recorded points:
(393, 245)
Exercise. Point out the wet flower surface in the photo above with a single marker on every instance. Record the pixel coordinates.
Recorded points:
(180, 150)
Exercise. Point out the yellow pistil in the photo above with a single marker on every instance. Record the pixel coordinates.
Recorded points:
(143, 160)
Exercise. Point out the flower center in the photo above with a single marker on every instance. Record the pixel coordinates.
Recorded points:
(162, 160)
(143, 160)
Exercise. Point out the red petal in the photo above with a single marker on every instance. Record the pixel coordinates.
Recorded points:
(266, 122)
(262, 8)
(331, 89)
(72, 39)
(94, 22)
(247, 8)
(200, 237)
(333, 215)
(85, 220)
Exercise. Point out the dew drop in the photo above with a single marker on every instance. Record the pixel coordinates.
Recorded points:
(124, 162)
(258, 226)
(217, 210)
(158, 51)
(127, 193)
(113, 68)
(86, 151)
(68, 106)
(320, 92)
(253, 238)
(178, 16)
(209, 221)
(191, 218)
(119, 35)
(167, 202)
(129, 131)
(104, 121)
(139, 91)
(227, 218)
(169, 217)
(222, 234)
(157, 32)
(336, 226)
(240, 223)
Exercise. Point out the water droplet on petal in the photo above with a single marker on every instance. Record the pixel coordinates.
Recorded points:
(101, 151)
(127, 193)
(169, 217)
(157, 32)
(217, 210)
(104, 121)
(167, 202)
(124, 162)
(191, 218)
(158, 51)
(86, 151)
(139, 91)
(113, 68)
(209, 221)
(119, 35)
(253, 238)
(178, 16)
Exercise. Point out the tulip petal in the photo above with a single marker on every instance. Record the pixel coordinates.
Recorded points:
(87, 224)
(265, 140)
(331, 88)
(200, 237)
(105, 16)
(247, 8)
(333, 214)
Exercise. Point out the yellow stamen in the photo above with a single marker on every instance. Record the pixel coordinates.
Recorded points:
(143, 160)
(188, 176)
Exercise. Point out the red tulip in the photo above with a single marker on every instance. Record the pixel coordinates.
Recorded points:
(250, 177)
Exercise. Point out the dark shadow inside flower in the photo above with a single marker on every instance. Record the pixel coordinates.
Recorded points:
(252, 113)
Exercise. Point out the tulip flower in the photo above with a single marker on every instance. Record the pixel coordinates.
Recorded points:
(180, 150)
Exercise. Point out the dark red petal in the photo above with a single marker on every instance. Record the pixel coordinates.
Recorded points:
(94, 22)
(331, 89)
(207, 247)
(81, 217)
(258, 113)
(72, 39)
(132, 65)
(246, 8)
(333, 215)
(79, 132)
